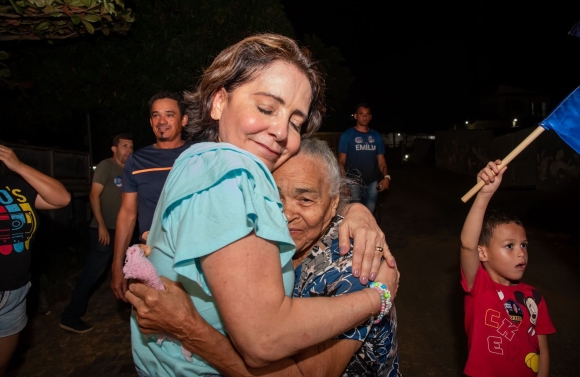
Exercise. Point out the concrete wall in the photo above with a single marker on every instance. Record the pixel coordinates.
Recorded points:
(462, 151)
(558, 165)
(547, 164)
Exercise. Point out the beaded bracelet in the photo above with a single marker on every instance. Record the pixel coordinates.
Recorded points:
(385, 301)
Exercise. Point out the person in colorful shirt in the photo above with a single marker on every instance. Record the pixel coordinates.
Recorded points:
(506, 321)
(310, 186)
(23, 190)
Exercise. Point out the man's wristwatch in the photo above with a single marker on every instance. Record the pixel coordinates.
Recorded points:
(388, 176)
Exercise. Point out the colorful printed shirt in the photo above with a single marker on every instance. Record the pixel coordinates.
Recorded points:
(502, 325)
(18, 226)
(324, 272)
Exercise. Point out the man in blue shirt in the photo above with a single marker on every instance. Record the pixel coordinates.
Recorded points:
(145, 173)
(361, 156)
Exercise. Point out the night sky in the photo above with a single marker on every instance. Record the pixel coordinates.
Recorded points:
(421, 65)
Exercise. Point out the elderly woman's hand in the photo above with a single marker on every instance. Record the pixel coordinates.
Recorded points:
(360, 225)
(168, 311)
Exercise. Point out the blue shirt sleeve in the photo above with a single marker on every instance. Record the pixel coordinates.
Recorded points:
(129, 183)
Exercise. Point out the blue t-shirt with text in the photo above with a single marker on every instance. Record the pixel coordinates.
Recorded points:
(362, 149)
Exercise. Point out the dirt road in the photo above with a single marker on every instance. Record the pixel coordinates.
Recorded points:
(422, 216)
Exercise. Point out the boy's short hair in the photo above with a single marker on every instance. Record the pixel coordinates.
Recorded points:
(124, 136)
(492, 220)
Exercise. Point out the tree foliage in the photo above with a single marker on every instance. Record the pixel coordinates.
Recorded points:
(338, 79)
(111, 78)
(62, 19)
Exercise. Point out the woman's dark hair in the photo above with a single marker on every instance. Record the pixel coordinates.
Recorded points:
(240, 64)
(492, 220)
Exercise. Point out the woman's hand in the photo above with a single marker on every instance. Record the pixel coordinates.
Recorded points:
(9, 158)
(390, 277)
(168, 311)
(360, 225)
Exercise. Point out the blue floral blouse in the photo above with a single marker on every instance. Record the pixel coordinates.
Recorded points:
(324, 272)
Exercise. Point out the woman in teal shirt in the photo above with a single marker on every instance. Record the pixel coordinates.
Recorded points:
(219, 228)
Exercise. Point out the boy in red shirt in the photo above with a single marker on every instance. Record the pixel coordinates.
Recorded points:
(506, 321)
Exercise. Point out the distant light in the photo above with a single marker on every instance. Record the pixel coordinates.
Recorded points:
(466, 122)
(94, 168)
(431, 137)
(398, 134)
(514, 123)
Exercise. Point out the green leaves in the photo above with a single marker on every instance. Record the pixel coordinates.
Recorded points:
(168, 48)
(43, 19)
(89, 27)
(92, 18)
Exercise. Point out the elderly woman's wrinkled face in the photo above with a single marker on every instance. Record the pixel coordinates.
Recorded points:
(265, 115)
(305, 193)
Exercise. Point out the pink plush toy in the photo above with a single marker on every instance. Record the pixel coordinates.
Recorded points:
(138, 267)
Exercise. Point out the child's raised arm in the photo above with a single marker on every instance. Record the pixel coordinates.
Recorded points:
(492, 177)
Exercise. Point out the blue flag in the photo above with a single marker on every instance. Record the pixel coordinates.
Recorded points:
(565, 120)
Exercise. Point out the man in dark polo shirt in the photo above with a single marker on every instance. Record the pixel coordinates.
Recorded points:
(105, 197)
(145, 173)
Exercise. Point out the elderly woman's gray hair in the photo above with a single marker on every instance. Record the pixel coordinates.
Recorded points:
(319, 150)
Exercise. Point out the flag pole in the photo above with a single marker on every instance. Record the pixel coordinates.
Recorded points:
(506, 161)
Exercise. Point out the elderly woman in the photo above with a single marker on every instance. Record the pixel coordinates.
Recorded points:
(310, 184)
(218, 227)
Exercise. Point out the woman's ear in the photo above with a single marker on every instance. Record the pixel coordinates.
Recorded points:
(334, 204)
(219, 101)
